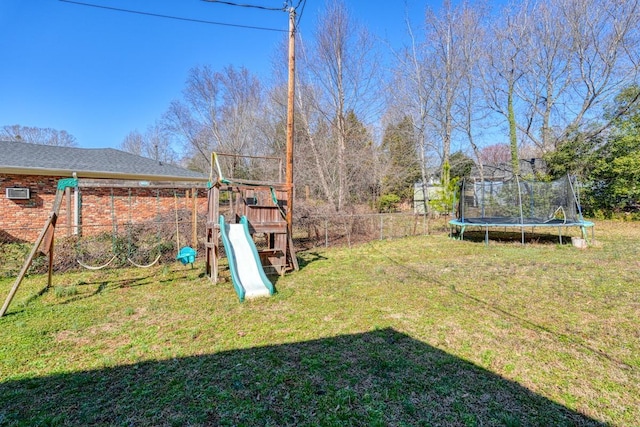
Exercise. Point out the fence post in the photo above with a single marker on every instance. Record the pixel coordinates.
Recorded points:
(326, 233)
(425, 220)
(381, 226)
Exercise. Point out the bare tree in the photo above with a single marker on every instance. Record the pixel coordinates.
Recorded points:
(495, 154)
(435, 83)
(559, 62)
(154, 144)
(470, 110)
(317, 162)
(506, 65)
(36, 135)
(341, 68)
(605, 37)
(220, 111)
(445, 70)
(410, 95)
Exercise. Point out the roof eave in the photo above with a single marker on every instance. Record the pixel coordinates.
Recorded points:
(97, 174)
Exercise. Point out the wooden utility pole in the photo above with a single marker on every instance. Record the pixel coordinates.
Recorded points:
(290, 115)
(290, 129)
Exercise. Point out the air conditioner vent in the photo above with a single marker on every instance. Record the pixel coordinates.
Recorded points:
(16, 193)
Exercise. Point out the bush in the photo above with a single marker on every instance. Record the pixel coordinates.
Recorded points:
(444, 199)
(388, 203)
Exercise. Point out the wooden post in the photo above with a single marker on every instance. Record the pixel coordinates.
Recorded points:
(76, 212)
(44, 233)
(49, 238)
(194, 219)
(67, 194)
(212, 233)
(26, 265)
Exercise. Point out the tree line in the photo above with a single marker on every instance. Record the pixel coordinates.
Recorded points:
(551, 79)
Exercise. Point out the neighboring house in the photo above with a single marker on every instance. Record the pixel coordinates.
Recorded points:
(28, 180)
(420, 205)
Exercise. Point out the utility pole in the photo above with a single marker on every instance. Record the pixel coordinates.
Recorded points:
(290, 127)
(290, 115)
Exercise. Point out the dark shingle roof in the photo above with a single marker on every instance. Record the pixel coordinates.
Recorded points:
(19, 157)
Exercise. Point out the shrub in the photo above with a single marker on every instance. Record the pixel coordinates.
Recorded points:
(388, 203)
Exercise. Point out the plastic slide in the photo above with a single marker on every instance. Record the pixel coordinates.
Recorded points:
(247, 274)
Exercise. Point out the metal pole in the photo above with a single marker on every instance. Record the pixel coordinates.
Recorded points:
(520, 204)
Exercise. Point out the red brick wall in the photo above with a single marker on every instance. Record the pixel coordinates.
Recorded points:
(22, 220)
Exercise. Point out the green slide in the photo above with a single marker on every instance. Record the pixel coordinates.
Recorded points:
(247, 274)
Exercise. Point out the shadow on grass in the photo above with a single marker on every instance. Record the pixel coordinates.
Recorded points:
(500, 236)
(102, 286)
(304, 260)
(309, 257)
(108, 284)
(381, 377)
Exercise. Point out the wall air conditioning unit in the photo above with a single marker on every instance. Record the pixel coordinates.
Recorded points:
(15, 193)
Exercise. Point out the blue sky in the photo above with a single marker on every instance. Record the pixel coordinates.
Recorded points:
(99, 73)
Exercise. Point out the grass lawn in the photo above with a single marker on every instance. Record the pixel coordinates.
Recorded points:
(408, 332)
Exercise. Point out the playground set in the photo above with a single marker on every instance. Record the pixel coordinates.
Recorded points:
(255, 210)
(239, 212)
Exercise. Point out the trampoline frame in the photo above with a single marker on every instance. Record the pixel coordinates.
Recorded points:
(462, 225)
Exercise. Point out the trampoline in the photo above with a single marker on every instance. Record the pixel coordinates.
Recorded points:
(514, 202)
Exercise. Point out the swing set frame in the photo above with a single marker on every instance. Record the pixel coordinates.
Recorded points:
(46, 238)
(130, 223)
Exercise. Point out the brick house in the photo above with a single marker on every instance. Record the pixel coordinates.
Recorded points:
(28, 180)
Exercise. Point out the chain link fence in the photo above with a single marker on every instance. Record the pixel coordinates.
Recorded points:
(346, 230)
(125, 244)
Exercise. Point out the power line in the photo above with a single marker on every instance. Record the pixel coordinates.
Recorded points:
(301, 11)
(288, 6)
(156, 15)
(254, 6)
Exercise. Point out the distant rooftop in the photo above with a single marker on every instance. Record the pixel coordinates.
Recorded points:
(34, 159)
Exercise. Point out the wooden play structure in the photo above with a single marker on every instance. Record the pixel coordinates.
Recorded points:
(264, 204)
(260, 208)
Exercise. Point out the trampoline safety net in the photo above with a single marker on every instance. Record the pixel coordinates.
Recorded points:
(519, 201)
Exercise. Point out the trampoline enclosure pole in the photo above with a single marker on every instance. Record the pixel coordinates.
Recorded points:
(520, 205)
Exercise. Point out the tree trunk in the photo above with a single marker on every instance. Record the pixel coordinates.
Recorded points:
(513, 137)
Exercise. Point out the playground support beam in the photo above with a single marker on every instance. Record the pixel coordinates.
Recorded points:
(47, 235)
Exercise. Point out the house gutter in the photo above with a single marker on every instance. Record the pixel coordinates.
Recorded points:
(100, 175)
